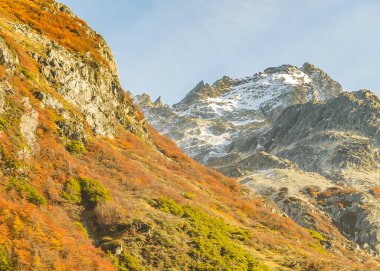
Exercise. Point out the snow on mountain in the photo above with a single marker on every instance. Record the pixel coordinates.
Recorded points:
(211, 118)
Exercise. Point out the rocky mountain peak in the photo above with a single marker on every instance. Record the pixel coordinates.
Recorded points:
(144, 100)
(268, 91)
(326, 87)
(229, 109)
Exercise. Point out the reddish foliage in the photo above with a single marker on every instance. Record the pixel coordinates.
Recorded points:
(2, 72)
(67, 31)
(26, 62)
(335, 191)
(375, 191)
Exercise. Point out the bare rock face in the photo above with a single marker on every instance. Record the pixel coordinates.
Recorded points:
(29, 123)
(8, 59)
(92, 88)
(90, 85)
(356, 214)
(69, 124)
(340, 140)
(325, 88)
(342, 133)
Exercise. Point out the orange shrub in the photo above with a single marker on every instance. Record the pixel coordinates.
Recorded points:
(375, 191)
(2, 72)
(67, 31)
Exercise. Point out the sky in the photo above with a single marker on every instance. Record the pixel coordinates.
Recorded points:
(165, 47)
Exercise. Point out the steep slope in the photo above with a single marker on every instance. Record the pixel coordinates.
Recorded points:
(318, 153)
(340, 140)
(86, 184)
(341, 133)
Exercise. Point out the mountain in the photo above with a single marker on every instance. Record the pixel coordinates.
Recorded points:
(88, 184)
(212, 118)
(292, 135)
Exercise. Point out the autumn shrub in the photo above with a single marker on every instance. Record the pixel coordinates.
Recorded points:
(4, 259)
(75, 147)
(68, 31)
(3, 73)
(27, 190)
(375, 191)
(335, 191)
(315, 266)
(82, 227)
(214, 243)
(312, 190)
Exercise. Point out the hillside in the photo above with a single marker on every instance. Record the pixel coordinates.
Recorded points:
(87, 184)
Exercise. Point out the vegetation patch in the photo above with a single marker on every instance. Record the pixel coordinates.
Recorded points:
(316, 235)
(215, 245)
(75, 147)
(27, 190)
(87, 191)
(27, 74)
(126, 262)
(188, 195)
(320, 240)
(4, 260)
(72, 191)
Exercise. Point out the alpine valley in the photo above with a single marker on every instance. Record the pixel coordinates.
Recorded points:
(87, 184)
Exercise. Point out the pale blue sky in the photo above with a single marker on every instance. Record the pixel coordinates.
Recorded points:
(165, 47)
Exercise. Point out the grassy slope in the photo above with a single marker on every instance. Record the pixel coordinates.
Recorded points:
(163, 208)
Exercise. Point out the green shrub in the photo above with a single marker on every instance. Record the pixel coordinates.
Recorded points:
(128, 262)
(316, 235)
(4, 259)
(215, 245)
(27, 74)
(72, 191)
(93, 191)
(75, 147)
(125, 262)
(188, 195)
(86, 191)
(27, 190)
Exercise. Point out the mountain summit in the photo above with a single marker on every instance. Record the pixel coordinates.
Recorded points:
(211, 118)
